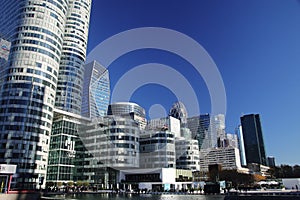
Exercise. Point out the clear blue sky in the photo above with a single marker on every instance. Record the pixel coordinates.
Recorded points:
(255, 45)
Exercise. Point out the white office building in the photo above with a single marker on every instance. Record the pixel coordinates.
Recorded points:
(228, 158)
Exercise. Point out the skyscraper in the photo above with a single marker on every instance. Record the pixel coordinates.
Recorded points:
(239, 133)
(131, 109)
(271, 161)
(199, 126)
(73, 54)
(96, 90)
(48, 42)
(178, 111)
(253, 139)
(4, 52)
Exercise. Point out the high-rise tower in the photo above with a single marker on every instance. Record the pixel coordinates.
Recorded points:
(48, 42)
(178, 111)
(253, 139)
(96, 90)
(71, 69)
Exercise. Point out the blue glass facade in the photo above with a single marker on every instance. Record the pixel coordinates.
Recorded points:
(71, 69)
(96, 92)
(199, 126)
(253, 139)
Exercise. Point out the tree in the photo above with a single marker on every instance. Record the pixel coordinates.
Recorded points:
(236, 178)
(79, 183)
(59, 184)
(70, 183)
(86, 184)
(258, 177)
(296, 170)
(287, 171)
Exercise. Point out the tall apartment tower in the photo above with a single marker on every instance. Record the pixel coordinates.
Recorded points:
(253, 139)
(96, 90)
(48, 44)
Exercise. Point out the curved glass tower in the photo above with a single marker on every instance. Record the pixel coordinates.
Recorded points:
(125, 108)
(71, 70)
(40, 44)
(178, 111)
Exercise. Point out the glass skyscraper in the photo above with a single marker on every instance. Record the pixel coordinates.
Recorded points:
(253, 139)
(44, 70)
(128, 109)
(199, 126)
(178, 111)
(96, 91)
(71, 69)
(239, 133)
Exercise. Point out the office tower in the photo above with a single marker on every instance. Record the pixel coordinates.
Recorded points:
(10, 12)
(157, 143)
(4, 52)
(125, 108)
(218, 130)
(187, 151)
(73, 54)
(231, 140)
(63, 150)
(199, 126)
(157, 149)
(253, 139)
(241, 145)
(178, 111)
(96, 90)
(165, 123)
(112, 144)
(208, 130)
(128, 108)
(271, 161)
(228, 158)
(48, 41)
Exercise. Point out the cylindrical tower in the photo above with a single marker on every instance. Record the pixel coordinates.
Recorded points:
(28, 92)
(71, 71)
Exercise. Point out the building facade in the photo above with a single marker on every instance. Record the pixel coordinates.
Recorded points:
(253, 139)
(178, 111)
(157, 149)
(111, 143)
(271, 161)
(63, 151)
(228, 158)
(187, 154)
(239, 133)
(199, 126)
(4, 53)
(48, 42)
(96, 90)
(73, 54)
(130, 109)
